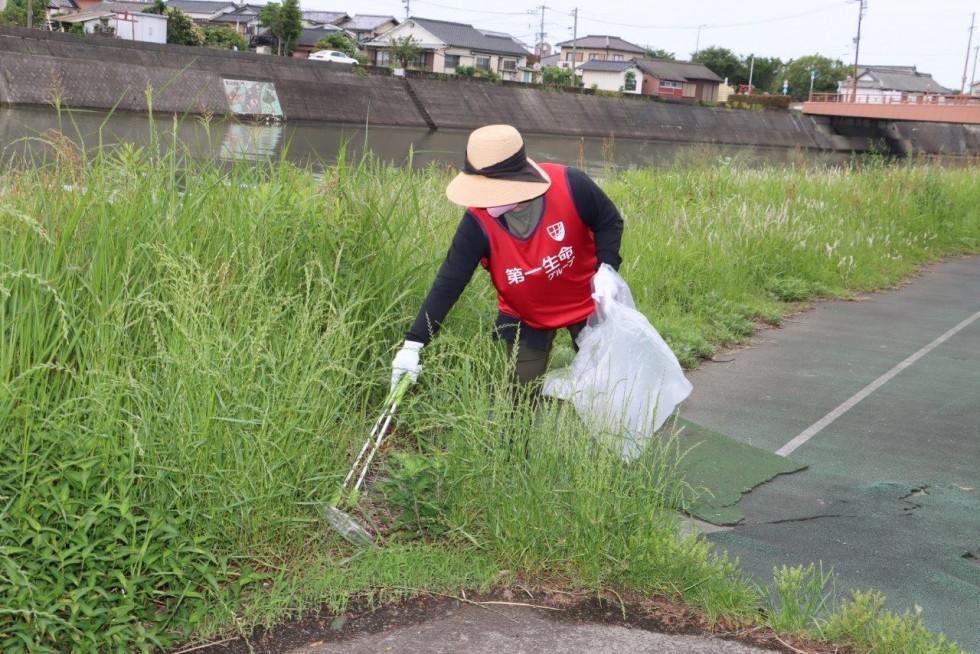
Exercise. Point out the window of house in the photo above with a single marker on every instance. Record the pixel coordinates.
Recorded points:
(569, 55)
(593, 56)
(452, 62)
(508, 64)
(671, 85)
(483, 63)
(617, 57)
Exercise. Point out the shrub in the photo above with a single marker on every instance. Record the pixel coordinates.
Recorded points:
(738, 101)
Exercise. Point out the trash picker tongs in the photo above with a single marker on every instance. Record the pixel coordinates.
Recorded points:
(342, 522)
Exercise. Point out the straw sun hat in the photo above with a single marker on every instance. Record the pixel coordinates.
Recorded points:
(497, 171)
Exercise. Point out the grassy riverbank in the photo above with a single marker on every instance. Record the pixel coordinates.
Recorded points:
(191, 353)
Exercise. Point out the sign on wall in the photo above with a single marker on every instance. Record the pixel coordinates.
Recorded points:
(251, 98)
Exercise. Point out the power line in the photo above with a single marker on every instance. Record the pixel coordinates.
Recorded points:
(716, 25)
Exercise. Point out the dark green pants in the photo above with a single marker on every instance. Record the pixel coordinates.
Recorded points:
(531, 364)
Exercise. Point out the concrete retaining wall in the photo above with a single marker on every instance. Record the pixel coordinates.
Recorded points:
(102, 73)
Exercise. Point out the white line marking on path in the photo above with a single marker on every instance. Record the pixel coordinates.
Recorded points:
(816, 427)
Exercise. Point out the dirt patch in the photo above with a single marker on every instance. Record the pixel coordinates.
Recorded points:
(656, 614)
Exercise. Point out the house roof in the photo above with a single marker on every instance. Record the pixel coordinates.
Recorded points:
(462, 35)
(326, 17)
(677, 71)
(598, 66)
(602, 42)
(62, 4)
(310, 36)
(366, 22)
(902, 78)
(244, 14)
(107, 7)
(96, 13)
(200, 6)
(549, 60)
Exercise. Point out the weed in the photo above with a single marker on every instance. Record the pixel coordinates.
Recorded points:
(863, 623)
(415, 494)
(797, 598)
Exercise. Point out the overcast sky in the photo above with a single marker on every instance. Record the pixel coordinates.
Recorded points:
(929, 34)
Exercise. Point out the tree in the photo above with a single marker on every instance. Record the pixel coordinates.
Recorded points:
(337, 41)
(285, 21)
(723, 63)
(826, 73)
(14, 14)
(225, 38)
(555, 76)
(661, 54)
(764, 71)
(181, 29)
(404, 49)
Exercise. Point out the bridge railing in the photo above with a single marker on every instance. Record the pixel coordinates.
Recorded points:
(913, 99)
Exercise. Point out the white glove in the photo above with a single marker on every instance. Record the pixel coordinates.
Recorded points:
(604, 286)
(406, 363)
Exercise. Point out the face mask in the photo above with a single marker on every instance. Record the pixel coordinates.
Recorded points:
(497, 212)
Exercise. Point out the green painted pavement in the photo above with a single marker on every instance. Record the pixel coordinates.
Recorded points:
(890, 499)
(718, 470)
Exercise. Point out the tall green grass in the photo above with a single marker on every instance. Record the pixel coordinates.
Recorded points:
(191, 352)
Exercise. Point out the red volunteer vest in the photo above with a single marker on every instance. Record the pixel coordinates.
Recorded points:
(545, 280)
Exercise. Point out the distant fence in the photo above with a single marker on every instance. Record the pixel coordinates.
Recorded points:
(915, 99)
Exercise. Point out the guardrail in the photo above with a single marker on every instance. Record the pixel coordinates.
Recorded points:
(908, 99)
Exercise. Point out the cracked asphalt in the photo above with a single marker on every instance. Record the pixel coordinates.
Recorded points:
(880, 398)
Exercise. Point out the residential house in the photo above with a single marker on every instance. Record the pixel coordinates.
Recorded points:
(975, 88)
(679, 79)
(623, 76)
(597, 48)
(244, 20)
(365, 27)
(891, 83)
(122, 20)
(445, 46)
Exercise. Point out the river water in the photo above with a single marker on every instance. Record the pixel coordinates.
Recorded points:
(24, 132)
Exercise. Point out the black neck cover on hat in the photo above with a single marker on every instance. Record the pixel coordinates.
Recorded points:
(514, 167)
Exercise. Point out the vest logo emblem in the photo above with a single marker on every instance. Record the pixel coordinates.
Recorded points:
(557, 231)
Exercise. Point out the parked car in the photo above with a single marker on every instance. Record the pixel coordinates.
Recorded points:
(334, 56)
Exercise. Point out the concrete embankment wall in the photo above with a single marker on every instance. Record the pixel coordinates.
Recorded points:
(102, 73)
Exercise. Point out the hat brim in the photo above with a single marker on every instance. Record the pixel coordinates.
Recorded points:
(480, 191)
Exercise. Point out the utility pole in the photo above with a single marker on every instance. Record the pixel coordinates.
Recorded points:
(973, 77)
(541, 33)
(30, 14)
(697, 42)
(857, 49)
(574, 45)
(969, 44)
(751, 70)
(408, 8)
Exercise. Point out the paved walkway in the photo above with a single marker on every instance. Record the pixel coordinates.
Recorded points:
(881, 399)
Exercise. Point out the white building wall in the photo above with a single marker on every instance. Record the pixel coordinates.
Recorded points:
(609, 81)
(149, 28)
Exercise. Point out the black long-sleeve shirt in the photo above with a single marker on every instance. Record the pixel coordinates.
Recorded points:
(470, 245)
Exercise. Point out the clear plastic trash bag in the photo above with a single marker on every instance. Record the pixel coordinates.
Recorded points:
(624, 381)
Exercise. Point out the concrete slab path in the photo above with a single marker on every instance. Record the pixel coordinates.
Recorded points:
(520, 630)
